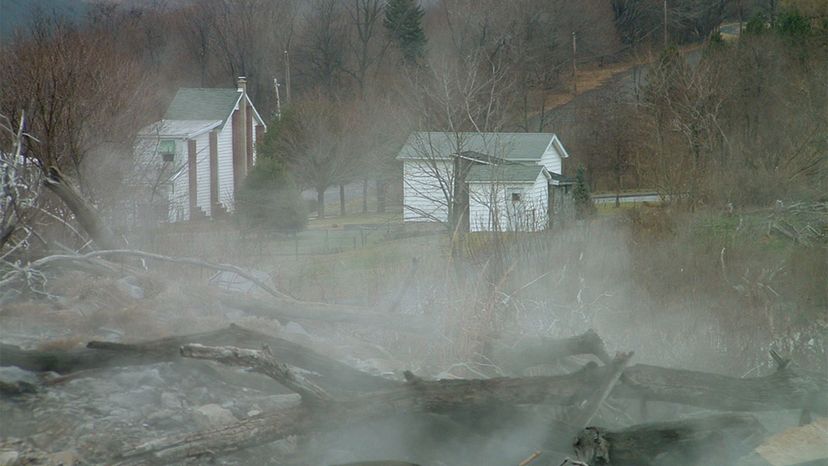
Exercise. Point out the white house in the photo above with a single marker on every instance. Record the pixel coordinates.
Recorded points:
(512, 181)
(194, 160)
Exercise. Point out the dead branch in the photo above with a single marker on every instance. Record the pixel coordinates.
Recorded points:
(262, 362)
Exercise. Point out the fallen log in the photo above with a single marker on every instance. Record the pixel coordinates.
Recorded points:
(787, 388)
(718, 440)
(98, 354)
(323, 413)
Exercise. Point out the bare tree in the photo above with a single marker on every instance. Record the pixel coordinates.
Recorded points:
(247, 37)
(368, 46)
(319, 144)
(323, 46)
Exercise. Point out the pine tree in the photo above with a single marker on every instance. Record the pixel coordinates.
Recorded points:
(582, 196)
(403, 20)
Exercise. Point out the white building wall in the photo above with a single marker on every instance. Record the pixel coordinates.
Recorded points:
(492, 201)
(425, 183)
(551, 159)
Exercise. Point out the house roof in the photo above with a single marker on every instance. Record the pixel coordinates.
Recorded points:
(507, 146)
(202, 104)
(207, 104)
(505, 173)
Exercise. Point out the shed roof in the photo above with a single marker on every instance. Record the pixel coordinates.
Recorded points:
(505, 173)
(508, 146)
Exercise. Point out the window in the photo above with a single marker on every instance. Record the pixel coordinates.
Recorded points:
(514, 194)
(167, 149)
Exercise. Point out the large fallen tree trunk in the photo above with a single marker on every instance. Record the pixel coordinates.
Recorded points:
(718, 440)
(319, 412)
(787, 388)
(97, 355)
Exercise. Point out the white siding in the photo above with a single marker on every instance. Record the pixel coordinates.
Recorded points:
(203, 171)
(492, 201)
(225, 166)
(425, 184)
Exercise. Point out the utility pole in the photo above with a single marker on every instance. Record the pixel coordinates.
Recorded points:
(287, 78)
(574, 66)
(278, 100)
(665, 24)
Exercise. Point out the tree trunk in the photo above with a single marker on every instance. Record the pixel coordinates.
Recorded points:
(342, 200)
(85, 212)
(320, 202)
(365, 196)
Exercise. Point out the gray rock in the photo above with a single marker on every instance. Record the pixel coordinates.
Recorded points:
(212, 415)
(13, 375)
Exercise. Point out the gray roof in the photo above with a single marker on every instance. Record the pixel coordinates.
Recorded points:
(508, 173)
(508, 146)
(202, 104)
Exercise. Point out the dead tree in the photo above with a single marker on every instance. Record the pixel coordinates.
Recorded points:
(85, 213)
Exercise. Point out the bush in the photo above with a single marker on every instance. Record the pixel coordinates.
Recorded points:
(270, 200)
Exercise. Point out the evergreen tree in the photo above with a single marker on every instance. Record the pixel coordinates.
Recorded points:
(582, 196)
(403, 20)
(270, 200)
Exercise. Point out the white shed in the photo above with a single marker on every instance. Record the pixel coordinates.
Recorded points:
(501, 164)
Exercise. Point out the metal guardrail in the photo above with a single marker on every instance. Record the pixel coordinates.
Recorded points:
(626, 198)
